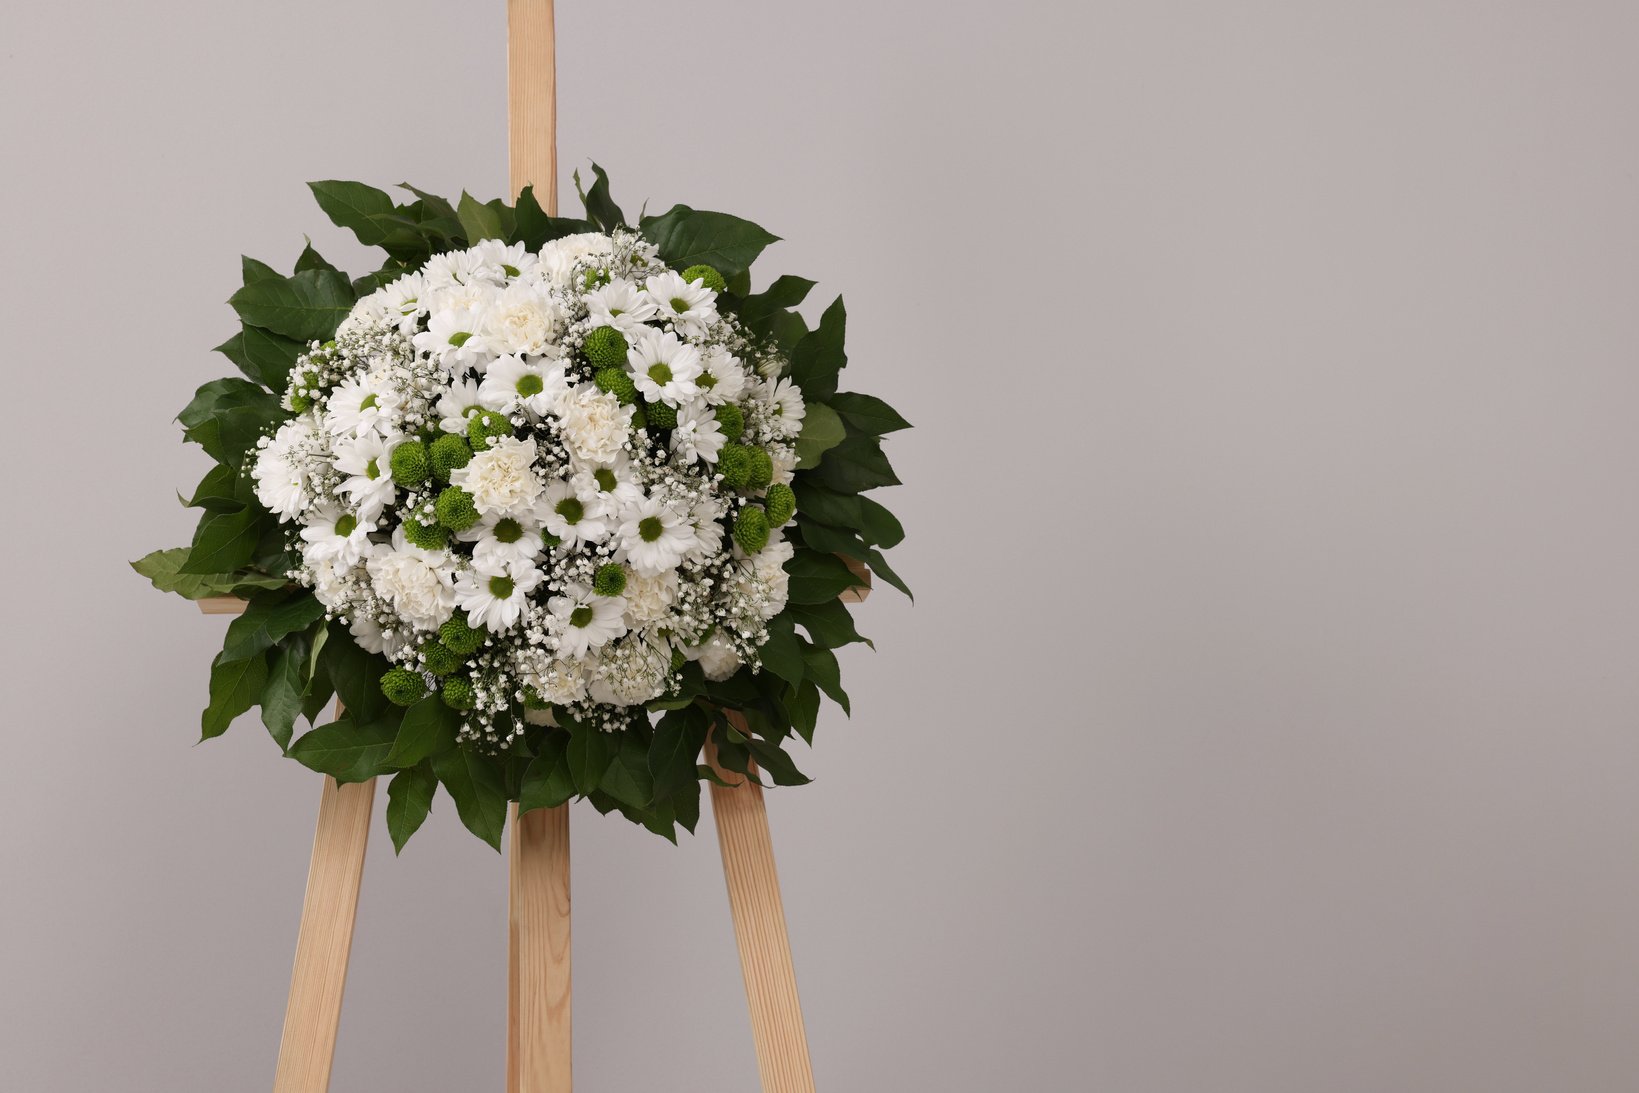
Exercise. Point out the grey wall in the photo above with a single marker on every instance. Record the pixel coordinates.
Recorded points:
(1266, 720)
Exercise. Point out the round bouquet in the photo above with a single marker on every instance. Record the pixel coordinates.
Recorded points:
(544, 501)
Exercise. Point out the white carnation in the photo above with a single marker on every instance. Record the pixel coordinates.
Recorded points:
(502, 477)
(595, 424)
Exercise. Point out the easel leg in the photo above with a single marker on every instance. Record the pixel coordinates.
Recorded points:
(314, 1009)
(538, 979)
(759, 931)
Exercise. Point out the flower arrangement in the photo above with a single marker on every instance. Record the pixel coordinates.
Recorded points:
(542, 500)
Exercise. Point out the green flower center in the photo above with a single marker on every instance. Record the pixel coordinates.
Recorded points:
(660, 373)
(368, 402)
(580, 616)
(500, 587)
(372, 471)
(679, 304)
(571, 510)
(508, 530)
(649, 528)
(511, 271)
(459, 338)
(705, 381)
(345, 526)
(605, 479)
(530, 384)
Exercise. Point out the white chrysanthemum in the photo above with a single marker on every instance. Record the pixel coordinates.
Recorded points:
(458, 402)
(401, 301)
(456, 267)
(453, 337)
(494, 596)
(722, 379)
(496, 261)
(369, 483)
(502, 477)
(690, 307)
(663, 368)
(575, 518)
(697, 435)
(717, 658)
(706, 516)
(619, 304)
(334, 535)
(497, 540)
(654, 536)
(784, 459)
(649, 599)
(358, 406)
(614, 483)
(523, 319)
(514, 383)
(595, 424)
(786, 401)
(584, 620)
(417, 583)
(283, 482)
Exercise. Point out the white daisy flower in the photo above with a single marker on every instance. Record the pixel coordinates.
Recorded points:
(496, 261)
(614, 482)
(401, 302)
(333, 534)
(283, 482)
(458, 402)
(706, 516)
(560, 256)
(619, 304)
(689, 306)
(788, 406)
(722, 379)
(456, 267)
(369, 485)
(502, 477)
(494, 596)
(697, 435)
(357, 406)
(663, 368)
(574, 518)
(452, 336)
(654, 536)
(498, 539)
(584, 620)
(514, 382)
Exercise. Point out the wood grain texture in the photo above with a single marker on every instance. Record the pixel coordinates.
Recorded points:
(539, 1012)
(313, 1010)
(759, 930)
(221, 605)
(539, 1028)
(857, 593)
(532, 100)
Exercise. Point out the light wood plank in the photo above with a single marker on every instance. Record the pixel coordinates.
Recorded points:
(539, 1059)
(221, 605)
(313, 1011)
(539, 1012)
(858, 592)
(759, 930)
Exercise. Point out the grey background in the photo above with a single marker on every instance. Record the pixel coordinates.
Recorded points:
(1266, 719)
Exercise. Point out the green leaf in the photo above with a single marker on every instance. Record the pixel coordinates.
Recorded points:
(855, 465)
(251, 271)
(828, 624)
(429, 728)
(268, 617)
(759, 311)
(534, 228)
(286, 683)
(306, 306)
(589, 756)
(688, 237)
(816, 577)
(367, 212)
(474, 784)
(235, 687)
(409, 799)
(827, 506)
(821, 431)
(222, 395)
(355, 673)
(867, 413)
(262, 355)
(880, 527)
(823, 671)
(221, 490)
(224, 541)
(480, 221)
(548, 782)
(772, 758)
(627, 778)
(600, 207)
(346, 749)
(675, 750)
(782, 653)
(803, 706)
(312, 259)
(163, 568)
(818, 358)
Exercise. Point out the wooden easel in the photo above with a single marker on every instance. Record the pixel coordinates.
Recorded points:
(538, 980)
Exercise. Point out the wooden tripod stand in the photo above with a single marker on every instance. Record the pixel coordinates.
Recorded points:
(538, 987)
